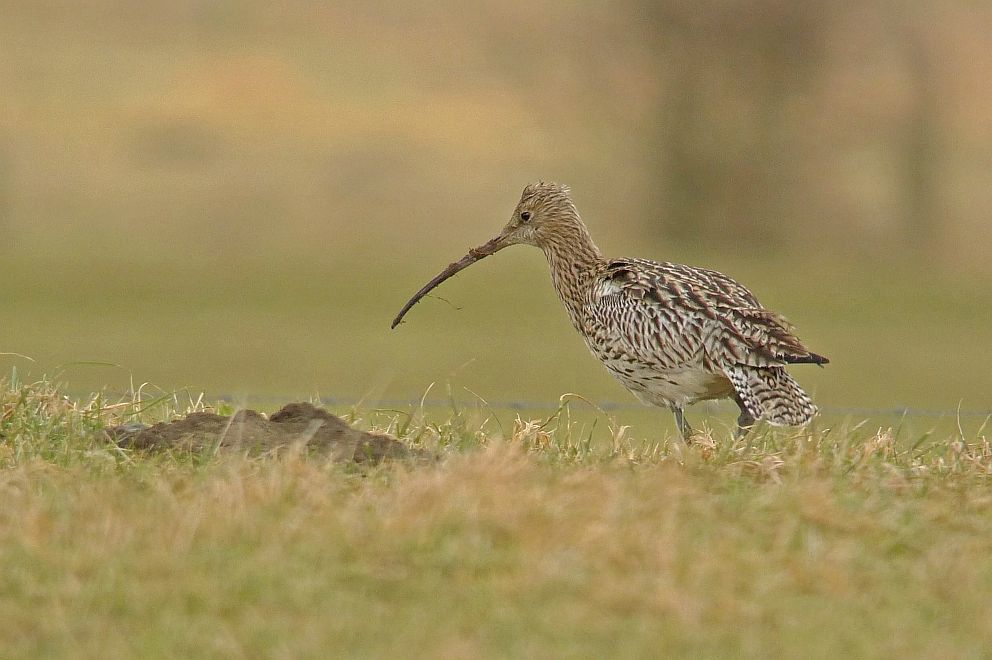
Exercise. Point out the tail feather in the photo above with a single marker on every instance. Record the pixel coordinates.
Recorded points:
(809, 358)
(770, 393)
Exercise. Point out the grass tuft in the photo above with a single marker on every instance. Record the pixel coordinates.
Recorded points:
(547, 541)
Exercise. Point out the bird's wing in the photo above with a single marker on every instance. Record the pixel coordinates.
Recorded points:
(631, 316)
(693, 310)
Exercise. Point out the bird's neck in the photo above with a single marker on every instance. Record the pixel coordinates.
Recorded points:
(574, 260)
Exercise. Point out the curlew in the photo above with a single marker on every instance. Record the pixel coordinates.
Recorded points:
(671, 334)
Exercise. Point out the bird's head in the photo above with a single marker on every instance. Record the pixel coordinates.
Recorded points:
(545, 210)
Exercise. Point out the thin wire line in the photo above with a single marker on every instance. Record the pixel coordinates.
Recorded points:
(609, 406)
(526, 405)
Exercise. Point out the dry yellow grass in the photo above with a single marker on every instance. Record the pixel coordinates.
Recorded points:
(821, 544)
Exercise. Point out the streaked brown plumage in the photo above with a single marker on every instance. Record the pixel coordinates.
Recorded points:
(671, 334)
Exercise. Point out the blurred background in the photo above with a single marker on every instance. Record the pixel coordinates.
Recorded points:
(237, 197)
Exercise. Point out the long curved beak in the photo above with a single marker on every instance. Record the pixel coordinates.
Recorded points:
(481, 252)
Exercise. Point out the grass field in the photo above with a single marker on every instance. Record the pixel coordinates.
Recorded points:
(836, 542)
(229, 202)
(237, 200)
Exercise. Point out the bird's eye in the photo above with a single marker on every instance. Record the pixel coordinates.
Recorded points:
(525, 216)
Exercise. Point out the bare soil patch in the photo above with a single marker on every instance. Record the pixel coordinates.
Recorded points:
(296, 424)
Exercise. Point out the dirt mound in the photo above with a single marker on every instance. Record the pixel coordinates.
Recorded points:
(295, 424)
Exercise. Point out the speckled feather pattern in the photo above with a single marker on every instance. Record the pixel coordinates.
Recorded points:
(672, 334)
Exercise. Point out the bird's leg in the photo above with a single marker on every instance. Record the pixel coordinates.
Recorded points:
(745, 421)
(683, 425)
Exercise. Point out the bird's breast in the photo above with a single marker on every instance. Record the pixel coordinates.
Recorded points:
(665, 387)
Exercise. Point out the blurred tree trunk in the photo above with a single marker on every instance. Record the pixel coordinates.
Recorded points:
(922, 142)
(724, 151)
(6, 194)
(688, 176)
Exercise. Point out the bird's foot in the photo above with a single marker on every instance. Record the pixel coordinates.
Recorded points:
(744, 425)
(684, 429)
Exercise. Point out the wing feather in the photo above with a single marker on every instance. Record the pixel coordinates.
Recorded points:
(672, 315)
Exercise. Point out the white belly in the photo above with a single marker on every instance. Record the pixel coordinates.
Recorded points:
(678, 387)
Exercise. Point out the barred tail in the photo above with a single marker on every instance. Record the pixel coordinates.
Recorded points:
(770, 393)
